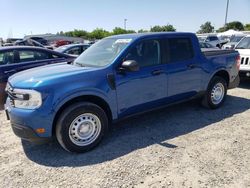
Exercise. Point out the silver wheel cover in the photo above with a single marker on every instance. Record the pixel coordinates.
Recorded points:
(85, 129)
(217, 93)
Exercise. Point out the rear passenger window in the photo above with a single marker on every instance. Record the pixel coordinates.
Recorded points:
(41, 55)
(74, 51)
(180, 49)
(26, 56)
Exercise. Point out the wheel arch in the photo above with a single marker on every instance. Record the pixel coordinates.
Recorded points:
(84, 98)
(223, 74)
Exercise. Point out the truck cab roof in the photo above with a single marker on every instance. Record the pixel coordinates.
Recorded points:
(142, 35)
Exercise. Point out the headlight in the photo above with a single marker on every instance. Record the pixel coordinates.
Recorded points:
(26, 99)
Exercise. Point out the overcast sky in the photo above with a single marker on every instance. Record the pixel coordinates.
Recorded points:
(20, 17)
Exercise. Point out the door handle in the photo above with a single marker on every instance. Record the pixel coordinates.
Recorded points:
(157, 72)
(10, 71)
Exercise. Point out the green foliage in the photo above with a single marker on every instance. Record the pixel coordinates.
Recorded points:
(119, 31)
(98, 33)
(247, 27)
(163, 28)
(143, 31)
(206, 28)
(236, 25)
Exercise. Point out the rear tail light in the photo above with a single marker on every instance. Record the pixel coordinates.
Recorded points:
(238, 62)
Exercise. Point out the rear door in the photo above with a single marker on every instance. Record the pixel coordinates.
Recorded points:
(183, 69)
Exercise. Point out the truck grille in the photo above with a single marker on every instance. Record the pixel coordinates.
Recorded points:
(245, 61)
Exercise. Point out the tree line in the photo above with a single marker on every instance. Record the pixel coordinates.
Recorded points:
(100, 33)
(207, 27)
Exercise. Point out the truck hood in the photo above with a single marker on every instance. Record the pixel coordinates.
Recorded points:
(41, 75)
(244, 52)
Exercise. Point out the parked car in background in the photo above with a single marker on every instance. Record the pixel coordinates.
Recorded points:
(117, 77)
(17, 58)
(243, 47)
(8, 44)
(59, 43)
(30, 42)
(207, 45)
(72, 49)
(41, 40)
(233, 42)
(12, 40)
(1, 42)
(211, 39)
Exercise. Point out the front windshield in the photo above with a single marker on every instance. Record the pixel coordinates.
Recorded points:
(236, 38)
(244, 43)
(102, 53)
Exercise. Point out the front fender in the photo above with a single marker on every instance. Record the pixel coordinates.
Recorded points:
(107, 97)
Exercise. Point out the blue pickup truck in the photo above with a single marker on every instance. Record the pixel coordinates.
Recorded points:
(117, 77)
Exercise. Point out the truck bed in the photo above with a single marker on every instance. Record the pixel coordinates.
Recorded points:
(217, 52)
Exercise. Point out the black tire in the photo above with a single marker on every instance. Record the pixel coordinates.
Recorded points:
(207, 99)
(70, 115)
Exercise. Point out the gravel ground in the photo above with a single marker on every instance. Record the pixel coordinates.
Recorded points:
(180, 146)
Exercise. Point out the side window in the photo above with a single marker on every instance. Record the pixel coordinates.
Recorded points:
(6, 58)
(180, 49)
(74, 51)
(26, 56)
(146, 53)
(41, 55)
(84, 48)
(213, 38)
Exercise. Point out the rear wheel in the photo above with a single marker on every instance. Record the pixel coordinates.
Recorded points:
(216, 93)
(81, 127)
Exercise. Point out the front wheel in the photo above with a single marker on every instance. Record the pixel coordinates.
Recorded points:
(81, 127)
(216, 93)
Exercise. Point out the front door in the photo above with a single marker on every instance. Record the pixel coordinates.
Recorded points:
(141, 90)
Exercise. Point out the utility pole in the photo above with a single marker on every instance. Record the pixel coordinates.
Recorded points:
(226, 13)
(125, 23)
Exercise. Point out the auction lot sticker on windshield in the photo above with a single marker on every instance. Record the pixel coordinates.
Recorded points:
(123, 41)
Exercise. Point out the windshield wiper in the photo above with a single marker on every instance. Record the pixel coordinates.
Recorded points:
(81, 65)
(240, 48)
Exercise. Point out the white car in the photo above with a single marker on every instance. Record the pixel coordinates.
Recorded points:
(211, 39)
(233, 41)
(243, 47)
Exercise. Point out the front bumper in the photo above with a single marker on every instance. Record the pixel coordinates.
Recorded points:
(26, 133)
(234, 83)
(245, 73)
(25, 123)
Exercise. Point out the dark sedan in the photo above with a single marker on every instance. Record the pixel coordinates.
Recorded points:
(73, 49)
(18, 58)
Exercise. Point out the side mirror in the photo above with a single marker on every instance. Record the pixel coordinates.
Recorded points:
(130, 66)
